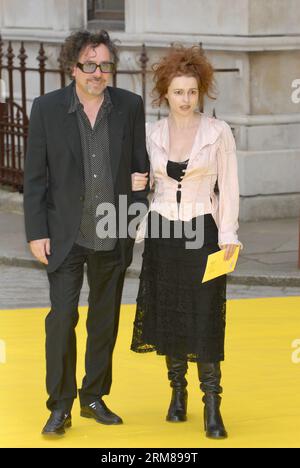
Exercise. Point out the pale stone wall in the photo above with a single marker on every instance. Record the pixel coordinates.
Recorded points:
(274, 17)
(45, 15)
(271, 75)
(202, 17)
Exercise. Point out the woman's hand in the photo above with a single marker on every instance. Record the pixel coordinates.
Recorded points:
(139, 181)
(230, 249)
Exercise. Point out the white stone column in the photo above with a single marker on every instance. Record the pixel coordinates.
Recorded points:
(135, 16)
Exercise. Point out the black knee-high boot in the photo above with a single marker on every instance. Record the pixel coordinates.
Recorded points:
(210, 378)
(177, 369)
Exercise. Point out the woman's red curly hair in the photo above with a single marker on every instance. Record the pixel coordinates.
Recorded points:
(183, 61)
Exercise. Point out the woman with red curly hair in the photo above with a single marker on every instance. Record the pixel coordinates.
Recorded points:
(177, 315)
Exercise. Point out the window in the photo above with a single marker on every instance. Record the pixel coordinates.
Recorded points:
(107, 14)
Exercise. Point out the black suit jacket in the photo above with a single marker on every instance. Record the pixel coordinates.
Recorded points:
(53, 175)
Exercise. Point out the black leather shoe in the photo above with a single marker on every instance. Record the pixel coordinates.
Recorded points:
(56, 424)
(99, 411)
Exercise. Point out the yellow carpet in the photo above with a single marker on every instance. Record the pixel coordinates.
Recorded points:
(261, 380)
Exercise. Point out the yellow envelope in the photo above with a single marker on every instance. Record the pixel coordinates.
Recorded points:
(217, 266)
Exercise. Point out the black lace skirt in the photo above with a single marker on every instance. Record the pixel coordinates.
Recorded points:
(176, 314)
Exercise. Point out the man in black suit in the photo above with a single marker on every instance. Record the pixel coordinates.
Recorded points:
(85, 142)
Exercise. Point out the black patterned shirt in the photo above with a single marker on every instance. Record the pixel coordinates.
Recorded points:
(97, 172)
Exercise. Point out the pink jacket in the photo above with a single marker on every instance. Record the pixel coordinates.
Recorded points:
(212, 157)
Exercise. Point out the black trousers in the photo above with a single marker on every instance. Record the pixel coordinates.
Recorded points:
(105, 278)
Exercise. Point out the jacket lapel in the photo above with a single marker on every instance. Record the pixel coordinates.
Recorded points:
(73, 137)
(116, 133)
(208, 132)
(70, 127)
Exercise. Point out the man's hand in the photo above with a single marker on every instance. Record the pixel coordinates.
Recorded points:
(139, 181)
(230, 249)
(39, 249)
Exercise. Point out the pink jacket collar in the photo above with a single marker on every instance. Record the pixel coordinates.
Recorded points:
(208, 132)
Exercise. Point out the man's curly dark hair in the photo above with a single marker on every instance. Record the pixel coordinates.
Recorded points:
(78, 41)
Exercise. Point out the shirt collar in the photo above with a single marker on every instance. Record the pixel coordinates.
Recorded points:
(75, 104)
(208, 132)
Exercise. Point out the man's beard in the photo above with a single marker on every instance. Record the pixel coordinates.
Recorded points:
(95, 91)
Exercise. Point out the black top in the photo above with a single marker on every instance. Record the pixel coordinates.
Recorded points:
(176, 170)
